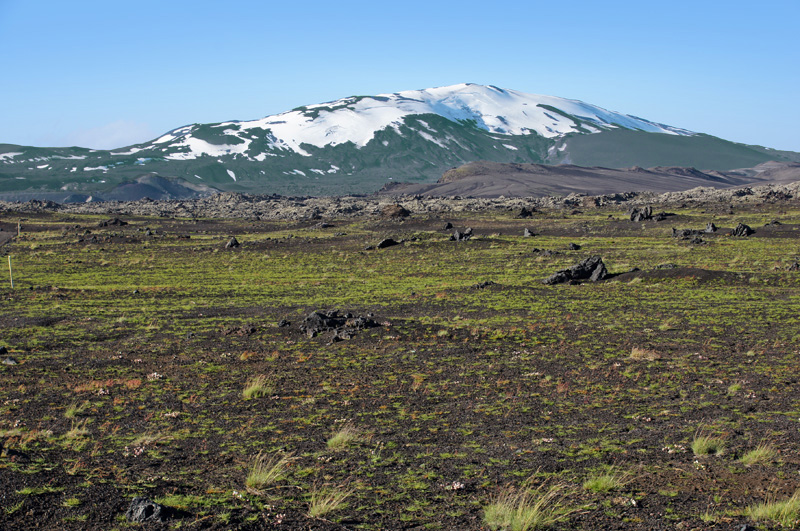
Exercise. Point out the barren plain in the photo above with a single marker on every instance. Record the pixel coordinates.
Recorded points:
(313, 376)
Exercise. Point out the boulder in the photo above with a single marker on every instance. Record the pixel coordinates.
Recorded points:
(232, 243)
(710, 228)
(640, 214)
(742, 231)
(592, 269)
(527, 233)
(395, 211)
(144, 510)
(388, 242)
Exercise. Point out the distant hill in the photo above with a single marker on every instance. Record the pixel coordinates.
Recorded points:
(358, 144)
(493, 179)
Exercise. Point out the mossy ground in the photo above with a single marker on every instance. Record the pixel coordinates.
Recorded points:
(462, 393)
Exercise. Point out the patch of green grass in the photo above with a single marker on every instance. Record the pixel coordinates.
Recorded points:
(257, 386)
(606, 481)
(324, 500)
(785, 513)
(706, 444)
(761, 454)
(526, 510)
(346, 436)
(267, 470)
(38, 491)
(71, 502)
(75, 409)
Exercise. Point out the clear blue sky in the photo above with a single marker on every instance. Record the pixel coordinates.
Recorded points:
(111, 73)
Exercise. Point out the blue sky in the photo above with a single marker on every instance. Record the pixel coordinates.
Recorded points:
(107, 74)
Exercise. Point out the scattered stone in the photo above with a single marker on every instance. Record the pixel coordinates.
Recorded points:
(283, 323)
(232, 243)
(710, 228)
(745, 527)
(10, 361)
(3, 350)
(794, 267)
(574, 247)
(388, 242)
(323, 225)
(527, 233)
(144, 510)
(697, 240)
(395, 211)
(484, 284)
(369, 248)
(742, 231)
(592, 269)
(448, 226)
(773, 223)
(666, 266)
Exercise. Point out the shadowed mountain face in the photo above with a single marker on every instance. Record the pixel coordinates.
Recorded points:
(492, 179)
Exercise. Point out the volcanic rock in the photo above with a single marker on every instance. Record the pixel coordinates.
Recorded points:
(388, 242)
(592, 269)
(742, 231)
(144, 510)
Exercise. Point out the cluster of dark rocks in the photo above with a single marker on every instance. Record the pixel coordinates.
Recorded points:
(592, 269)
(637, 214)
(116, 222)
(458, 236)
(344, 325)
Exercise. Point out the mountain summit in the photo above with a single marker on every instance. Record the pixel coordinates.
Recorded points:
(357, 144)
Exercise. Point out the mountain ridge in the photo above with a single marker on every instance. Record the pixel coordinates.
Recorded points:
(357, 144)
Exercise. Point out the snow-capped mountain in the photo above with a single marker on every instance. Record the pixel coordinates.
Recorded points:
(357, 119)
(357, 144)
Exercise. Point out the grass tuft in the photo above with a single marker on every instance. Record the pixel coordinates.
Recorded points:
(526, 510)
(786, 512)
(327, 499)
(644, 354)
(762, 454)
(606, 482)
(267, 470)
(346, 436)
(257, 386)
(707, 444)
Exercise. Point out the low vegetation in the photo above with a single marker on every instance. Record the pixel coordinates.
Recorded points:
(150, 360)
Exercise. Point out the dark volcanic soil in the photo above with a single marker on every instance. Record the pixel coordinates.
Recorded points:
(458, 373)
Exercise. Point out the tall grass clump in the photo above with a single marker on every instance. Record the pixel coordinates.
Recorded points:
(786, 512)
(346, 436)
(327, 499)
(526, 510)
(763, 453)
(257, 386)
(267, 470)
(707, 444)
